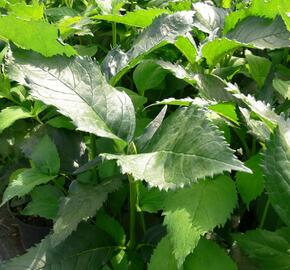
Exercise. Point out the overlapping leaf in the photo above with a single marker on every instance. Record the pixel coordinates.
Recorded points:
(82, 202)
(87, 248)
(198, 208)
(165, 29)
(186, 148)
(77, 88)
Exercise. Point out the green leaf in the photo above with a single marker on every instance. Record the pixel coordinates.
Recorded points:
(259, 68)
(151, 200)
(199, 208)
(82, 202)
(26, 12)
(267, 35)
(87, 248)
(276, 167)
(24, 182)
(138, 18)
(165, 29)
(209, 256)
(251, 186)
(77, 88)
(208, 18)
(214, 51)
(186, 45)
(11, 114)
(38, 36)
(179, 144)
(282, 87)
(163, 250)
(270, 250)
(227, 110)
(44, 202)
(45, 157)
(143, 140)
(112, 227)
(148, 75)
(61, 122)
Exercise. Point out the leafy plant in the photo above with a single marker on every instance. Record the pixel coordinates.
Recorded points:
(157, 136)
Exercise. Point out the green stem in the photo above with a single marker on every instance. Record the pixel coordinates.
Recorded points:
(114, 34)
(133, 200)
(133, 189)
(93, 149)
(264, 215)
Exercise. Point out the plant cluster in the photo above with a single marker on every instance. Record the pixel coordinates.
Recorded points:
(153, 134)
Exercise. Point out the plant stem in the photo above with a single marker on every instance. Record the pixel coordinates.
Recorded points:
(93, 149)
(244, 144)
(264, 215)
(133, 197)
(114, 34)
(133, 189)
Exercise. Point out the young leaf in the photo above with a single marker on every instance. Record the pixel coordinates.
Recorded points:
(86, 248)
(270, 250)
(267, 34)
(77, 88)
(199, 208)
(259, 68)
(24, 182)
(209, 256)
(82, 202)
(138, 18)
(276, 167)
(44, 202)
(214, 51)
(163, 250)
(38, 36)
(185, 140)
(165, 29)
(11, 114)
(45, 157)
(251, 186)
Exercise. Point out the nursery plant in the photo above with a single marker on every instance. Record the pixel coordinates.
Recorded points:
(149, 134)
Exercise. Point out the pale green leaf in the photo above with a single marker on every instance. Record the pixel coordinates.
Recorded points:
(11, 114)
(259, 68)
(267, 35)
(24, 182)
(77, 88)
(163, 253)
(38, 36)
(84, 249)
(209, 256)
(276, 167)
(44, 202)
(251, 186)
(185, 140)
(82, 203)
(270, 250)
(282, 87)
(138, 18)
(164, 29)
(45, 157)
(199, 208)
(208, 18)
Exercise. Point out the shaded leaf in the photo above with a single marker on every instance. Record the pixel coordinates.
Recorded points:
(82, 202)
(270, 250)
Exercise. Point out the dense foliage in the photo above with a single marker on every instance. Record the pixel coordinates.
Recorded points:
(155, 134)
